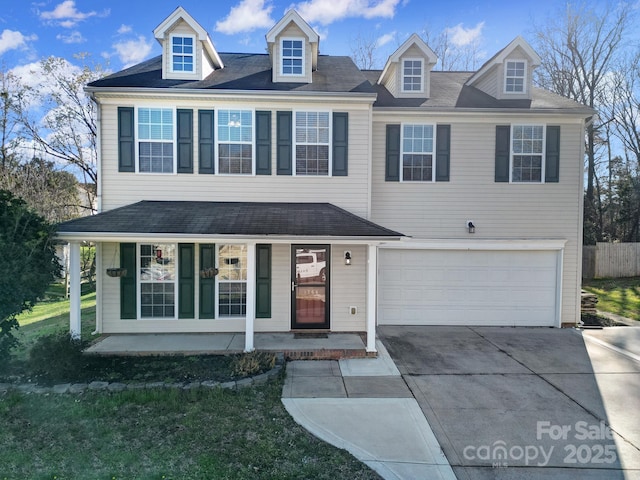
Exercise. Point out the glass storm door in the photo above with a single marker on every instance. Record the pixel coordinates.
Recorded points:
(310, 286)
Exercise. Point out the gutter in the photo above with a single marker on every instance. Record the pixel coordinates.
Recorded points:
(483, 111)
(364, 96)
(199, 238)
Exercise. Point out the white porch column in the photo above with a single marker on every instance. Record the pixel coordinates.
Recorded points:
(251, 297)
(74, 289)
(372, 273)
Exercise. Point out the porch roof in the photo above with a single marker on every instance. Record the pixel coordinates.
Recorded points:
(239, 219)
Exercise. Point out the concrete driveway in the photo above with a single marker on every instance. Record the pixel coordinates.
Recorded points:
(538, 403)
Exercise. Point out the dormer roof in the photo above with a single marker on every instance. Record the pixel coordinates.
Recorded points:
(180, 14)
(500, 57)
(413, 40)
(294, 17)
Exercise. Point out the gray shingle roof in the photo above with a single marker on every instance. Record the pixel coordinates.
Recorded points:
(448, 90)
(245, 71)
(228, 218)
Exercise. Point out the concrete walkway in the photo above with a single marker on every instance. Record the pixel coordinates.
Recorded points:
(365, 407)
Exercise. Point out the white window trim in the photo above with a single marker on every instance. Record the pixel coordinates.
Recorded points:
(139, 282)
(217, 142)
(295, 143)
(174, 141)
(216, 314)
(402, 77)
(524, 78)
(195, 66)
(433, 153)
(544, 152)
(282, 57)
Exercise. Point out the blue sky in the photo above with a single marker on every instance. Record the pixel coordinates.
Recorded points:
(118, 33)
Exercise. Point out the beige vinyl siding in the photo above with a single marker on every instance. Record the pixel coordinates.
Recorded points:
(348, 288)
(292, 31)
(280, 320)
(182, 28)
(349, 192)
(499, 210)
(490, 83)
(392, 83)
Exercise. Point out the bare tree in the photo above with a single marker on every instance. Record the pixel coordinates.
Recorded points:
(452, 56)
(10, 94)
(578, 48)
(363, 51)
(67, 131)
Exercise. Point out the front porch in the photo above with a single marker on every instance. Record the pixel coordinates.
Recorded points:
(292, 345)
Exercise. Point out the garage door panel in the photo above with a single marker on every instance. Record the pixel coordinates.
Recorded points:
(428, 287)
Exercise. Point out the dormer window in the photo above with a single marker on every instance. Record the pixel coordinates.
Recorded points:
(412, 75)
(515, 76)
(182, 51)
(292, 56)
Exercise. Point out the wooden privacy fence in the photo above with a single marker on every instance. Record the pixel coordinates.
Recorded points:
(611, 260)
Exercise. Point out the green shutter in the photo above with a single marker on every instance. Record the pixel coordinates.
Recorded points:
(186, 280)
(340, 144)
(128, 294)
(263, 143)
(263, 281)
(284, 151)
(392, 164)
(503, 152)
(552, 155)
(185, 141)
(126, 140)
(443, 152)
(207, 285)
(206, 145)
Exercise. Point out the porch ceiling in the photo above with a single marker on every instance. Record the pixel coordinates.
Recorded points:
(241, 219)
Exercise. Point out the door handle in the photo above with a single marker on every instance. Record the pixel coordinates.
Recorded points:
(293, 286)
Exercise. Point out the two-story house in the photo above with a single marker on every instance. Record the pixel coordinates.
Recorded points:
(290, 190)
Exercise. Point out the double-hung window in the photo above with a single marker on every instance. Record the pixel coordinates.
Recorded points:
(182, 53)
(418, 152)
(235, 142)
(515, 76)
(155, 140)
(527, 152)
(157, 263)
(312, 140)
(412, 75)
(232, 280)
(292, 56)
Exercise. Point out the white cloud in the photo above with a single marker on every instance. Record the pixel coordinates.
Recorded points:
(246, 16)
(329, 11)
(67, 15)
(461, 36)
(386, 38)
(135, 51)
(14, 40)
(73, 37)
(124, 29)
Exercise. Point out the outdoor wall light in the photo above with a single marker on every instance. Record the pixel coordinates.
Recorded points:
(471, 226)
(347, 257)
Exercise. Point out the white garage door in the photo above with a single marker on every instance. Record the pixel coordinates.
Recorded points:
(451, 287)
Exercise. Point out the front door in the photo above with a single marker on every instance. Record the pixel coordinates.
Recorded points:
(310, 286)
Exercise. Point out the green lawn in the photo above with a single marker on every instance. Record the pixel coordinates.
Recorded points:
(164, 434)
(52, 315)
(156, 433)
(617, 295)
